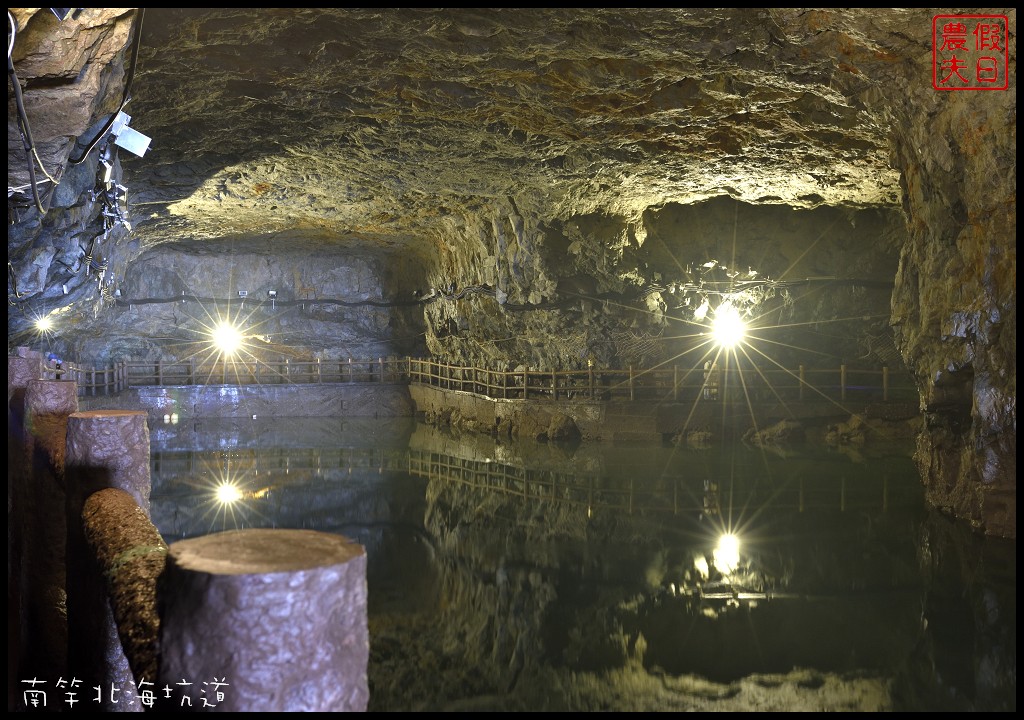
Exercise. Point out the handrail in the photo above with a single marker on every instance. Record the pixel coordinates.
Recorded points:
(665, 383)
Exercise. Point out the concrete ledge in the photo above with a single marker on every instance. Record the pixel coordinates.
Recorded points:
(244, 401)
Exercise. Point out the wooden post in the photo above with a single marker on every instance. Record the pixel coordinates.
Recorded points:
(803, 381)
(381, 360)
(842, 381)
(526, 384)
(632, 396)
(191, 371)
(103, 449)
(590, 377)
(885, 383)
(554, 384)
(159, 372)
(675, 383)
(244, 604)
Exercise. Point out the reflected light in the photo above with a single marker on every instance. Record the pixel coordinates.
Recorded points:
(727, 553)
(701, 565)
(43, 324)
(226, 338)
(728, 328)
(228, 493)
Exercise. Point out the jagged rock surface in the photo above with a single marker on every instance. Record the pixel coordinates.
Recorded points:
(541, 156)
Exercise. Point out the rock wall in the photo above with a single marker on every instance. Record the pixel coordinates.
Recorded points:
(955, 304)
(341, 304)
(522, 288)
(73, 74)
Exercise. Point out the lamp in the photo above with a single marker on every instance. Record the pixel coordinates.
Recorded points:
(128, 138)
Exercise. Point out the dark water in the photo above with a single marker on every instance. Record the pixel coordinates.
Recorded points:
(533, 577)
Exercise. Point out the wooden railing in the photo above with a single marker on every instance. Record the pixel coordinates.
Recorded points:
(105, 380)
(262, 372)
(670, 383)
(666, 383)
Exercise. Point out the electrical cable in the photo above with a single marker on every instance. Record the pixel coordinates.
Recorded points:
(14, 282)
(24, 128)
(125, 98)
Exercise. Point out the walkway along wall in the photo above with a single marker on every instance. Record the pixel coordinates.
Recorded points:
(651, 421)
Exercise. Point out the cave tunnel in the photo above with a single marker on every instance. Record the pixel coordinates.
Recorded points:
(352, 195)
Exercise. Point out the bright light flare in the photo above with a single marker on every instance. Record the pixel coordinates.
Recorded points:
(227, 493)
(226, 338)
(728, 328)
(727, 553)
(44, 324)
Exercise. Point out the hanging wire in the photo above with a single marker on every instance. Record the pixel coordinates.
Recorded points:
(25, 130)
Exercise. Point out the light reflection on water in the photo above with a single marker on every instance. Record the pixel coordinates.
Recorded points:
(522, 576)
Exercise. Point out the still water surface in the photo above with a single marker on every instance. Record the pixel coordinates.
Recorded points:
(523, 576)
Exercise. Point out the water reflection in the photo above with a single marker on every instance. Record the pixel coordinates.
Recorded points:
(536, 577)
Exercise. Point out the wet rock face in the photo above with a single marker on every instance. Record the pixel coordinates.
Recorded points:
(955, 304)
(551, 174)
(297, 303)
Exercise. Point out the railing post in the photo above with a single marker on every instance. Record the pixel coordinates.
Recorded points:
(590, 377)
(885, 383)
(842, 381)
(381, 361)
(675, 383)
(632, 396)
(160, 372)
(526, 384)
(802, 381)
(554, 384)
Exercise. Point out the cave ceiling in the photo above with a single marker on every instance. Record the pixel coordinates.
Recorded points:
(381, 125)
